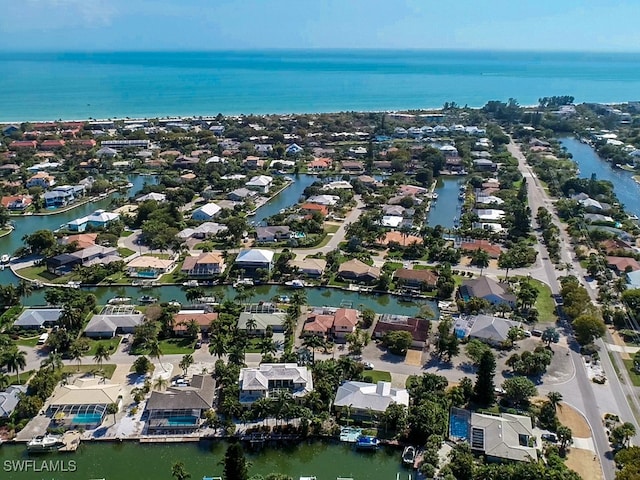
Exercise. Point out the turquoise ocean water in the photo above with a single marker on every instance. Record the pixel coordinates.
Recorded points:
(48, 86)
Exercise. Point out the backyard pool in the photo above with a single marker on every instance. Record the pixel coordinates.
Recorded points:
(87, 419)
(182, 421)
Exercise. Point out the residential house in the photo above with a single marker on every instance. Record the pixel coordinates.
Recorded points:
(187, 404)
(263, 148)
(368, 181)
(52, 144)
(400, 238)
(488, 289)
(254, 258)
(203, 319)
(311, 208)
(36, 318)
(8, 168)
(327, 200)
(156, 197)
(352, 166)
(490, 214)
(95, 254)
(204, 230)
(82, 240)
(613, 245)
(416, 279)
(9, 130)
(99, 219)
(61, 196)
(106, 152)
(484, 165)
(23, 145)
(361, 399)
(207, 264)
(311, 267)
(241, 194)
(273, 233)
(83, 403)
(391, 221)
(491, 249)
(147, 266)
(42, 180)
(269, 379)
(358, 271)
(107, 326)
(623, 264)
(260, 183)
(253, 162)
(293, 149)
(320, 164)
(505, 437)
(9, 399)
(345, 321)
(417, 327)
(206, 212)
(257, 323)
(487, 328)
(338, 185)
(334, 323)
(17, 203)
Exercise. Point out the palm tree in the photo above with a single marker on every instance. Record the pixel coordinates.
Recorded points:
(155, 351)
(554, 399)
(251, 324)
(71, 318)
(160, 383)
(112, 409)
(313, 342)
(4, 381)
(218, 342)
(15, 360)
(75, 353)
(185, 363)
(102, 354)
(178, 471)
(24, 288)
(53, 362)
(480, 259)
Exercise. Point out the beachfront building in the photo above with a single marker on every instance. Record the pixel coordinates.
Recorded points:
(361, 399)
(253, 259)
(180, 408)
(205, 265)
(260, 183)
(269, 379)
(147, 266)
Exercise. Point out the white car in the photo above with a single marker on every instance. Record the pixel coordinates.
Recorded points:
(368, 366)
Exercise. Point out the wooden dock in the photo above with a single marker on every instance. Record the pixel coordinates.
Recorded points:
(163, 439)
(71, 441)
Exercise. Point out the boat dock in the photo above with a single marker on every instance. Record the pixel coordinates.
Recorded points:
(71, 441)
(163, 439)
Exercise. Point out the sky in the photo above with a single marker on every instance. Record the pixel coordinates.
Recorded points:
(142, 25)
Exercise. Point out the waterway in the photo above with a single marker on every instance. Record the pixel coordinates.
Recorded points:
(325, 460)
(285, 199)
(446, 209)
(626, 189)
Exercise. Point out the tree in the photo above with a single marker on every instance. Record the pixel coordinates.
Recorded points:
(395, 417)
(398, 342)
(160, 383)
(621, 434)
(178, 471)
(313, 342)
(484, 388)
(15, 360)
(565, 435)
(554, 399)
(155, 351)
(52, 362)
(185, 363)
(235, 465)
(550, 335)
(24, 288)
(475, 349)
(102, 354)
(76, 353)
(447, 344)
(357, 340)
(587, 327)
(462, 462)
(112, 409)
(480, 259)
(368, 316)
(142, 365)
(40, 241)
(518, 390)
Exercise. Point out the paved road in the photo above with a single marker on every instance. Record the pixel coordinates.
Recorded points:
(591, 399)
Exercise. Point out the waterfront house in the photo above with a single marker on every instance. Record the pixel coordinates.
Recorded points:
(335, 323)
(504, 437)
(471, 246)
(487, 328)
(326, 200)
(293, 149)
(260, 183)
(360, 400)
(99, 219)
(204, 230)
(320, 164)
(483, 287)
(17, 203)
(180, 408)
(400, 238)
(82, 240)
(417, 327)
(484, 165)
(490, 214)
(9, 399)
(83, 404)
(156, 197)
(9, 130)
(416, 279)
(107, 326)
(207, 264)
(36, 318)
(42, 180)
(311, 208)
(311, 267)
(254, 258)
(352, 166)
(269, 379)
(241, 194)
(61, 196)
(338, 185)
(261, 321)
(147, 266)
(358, 271)
(203, 319)
(273, 233)
(623, 265)
(206, 213)
(95, 254)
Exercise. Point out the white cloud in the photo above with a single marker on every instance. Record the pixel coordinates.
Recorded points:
(74, 12)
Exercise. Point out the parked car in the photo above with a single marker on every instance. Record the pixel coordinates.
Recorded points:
(368, 366)
(536, 333)
(549, 437)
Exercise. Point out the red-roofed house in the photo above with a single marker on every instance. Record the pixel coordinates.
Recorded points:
(16, 202)
(182, 319)
(492, 249)
(318, 324)
(52, 144)
(84, 142)
(321, 163)
(331, 323)
(623, 264)
(23, 145)
(419, 329)
(314, 207)
(344, 322)
(400, 238)
(41, 179)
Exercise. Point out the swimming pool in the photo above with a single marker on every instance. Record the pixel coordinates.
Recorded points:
(87, 419)
(182, 421)
(459, 427)
(147, 274)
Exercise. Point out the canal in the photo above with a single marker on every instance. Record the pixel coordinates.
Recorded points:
(445, 211)
(325, 460)
(588, 161)
(285, 199)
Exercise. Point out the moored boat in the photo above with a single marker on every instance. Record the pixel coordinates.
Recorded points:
(5, 259)
(119, 300)
(295, 284)
(409, 455)
(44, 443)
(247, 282)
(366, 442)
(191, 283)
(146, 299)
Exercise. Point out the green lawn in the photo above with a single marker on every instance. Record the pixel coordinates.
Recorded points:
(377, 376)
(39, 272)
(126, 233)
(28, 342)
(331, 228)
(545, 304)
(112, 343)
(635, 378)
(106, 368)
(171, 346)
(391, 267)
(175, 276)
(24, 377)
(125, 252)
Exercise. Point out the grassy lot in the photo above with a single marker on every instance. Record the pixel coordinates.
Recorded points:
(545, 304)
(111, 343)
(391, 267)
(24, 377)
(125, 252)
(175, 276)
(171, 346)
(28, 342)
(39, 272)
(107, 369)
(377, 376)
(330, 228)
(126, 233)
(118, 277)
(635, 378)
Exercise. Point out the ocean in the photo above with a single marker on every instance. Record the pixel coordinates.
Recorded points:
(50, 86)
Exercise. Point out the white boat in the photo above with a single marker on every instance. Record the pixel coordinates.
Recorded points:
(72, 284)
(206, 300)
(409, 455)
(119, 301)
(191, 283)
(146, 300)
(44, 443)
(295, 284)
(247, 282)
(5, 259)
